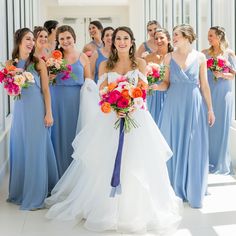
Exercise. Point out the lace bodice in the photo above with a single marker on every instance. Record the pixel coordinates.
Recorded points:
(133, 75)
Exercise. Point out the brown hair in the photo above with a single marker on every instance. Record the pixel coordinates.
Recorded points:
(187, 32)
(62, 29)
(113, 58)
(18, 36)
(165, 31)
(38, 30)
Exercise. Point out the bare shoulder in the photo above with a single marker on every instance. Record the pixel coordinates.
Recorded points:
(103, 68)
(141, 64)
(167, 59)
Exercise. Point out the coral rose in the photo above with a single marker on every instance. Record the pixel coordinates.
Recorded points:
(106, 107)
(56, 54)
(125, 94)
(112, 86)
(137, 92)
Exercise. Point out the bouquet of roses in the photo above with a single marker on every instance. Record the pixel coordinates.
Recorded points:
(15, 79)
(123, 96)
(155, 73)
(56, 64)
(217, 64)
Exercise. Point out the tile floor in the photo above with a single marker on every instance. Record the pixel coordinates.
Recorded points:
(216, 218)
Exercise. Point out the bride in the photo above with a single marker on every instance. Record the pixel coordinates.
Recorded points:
(146, 201)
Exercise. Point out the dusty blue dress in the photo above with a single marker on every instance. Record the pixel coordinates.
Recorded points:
(33, 168)
(183, 122)
(65, 107)
(100, 59)
(222, 100)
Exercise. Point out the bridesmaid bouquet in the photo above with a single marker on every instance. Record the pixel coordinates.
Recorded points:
(56, 64)
(15, 79)
(123, 96)
(155, 73)
(217, 64)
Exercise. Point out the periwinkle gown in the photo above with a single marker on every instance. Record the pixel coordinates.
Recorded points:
(65, 107)
(100, 59)
(222, 101)
(183, 123)
(33, 168)
(155, 101)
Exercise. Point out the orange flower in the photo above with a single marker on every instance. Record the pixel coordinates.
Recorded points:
(10, 68)
(137, 92)
(106, 107)
(125, 94)
(142, 85)
(56, 54)
(111, 86)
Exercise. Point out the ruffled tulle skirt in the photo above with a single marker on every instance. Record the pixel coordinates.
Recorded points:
(147, 201)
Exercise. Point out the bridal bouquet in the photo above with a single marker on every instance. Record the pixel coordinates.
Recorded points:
(155, 73)
(15, 79)
(123, 96)
(217, 64)
(56, 64)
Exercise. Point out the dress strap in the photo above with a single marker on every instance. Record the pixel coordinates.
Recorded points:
(142, 77)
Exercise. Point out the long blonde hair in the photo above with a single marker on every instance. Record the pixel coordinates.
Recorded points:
(220, 32)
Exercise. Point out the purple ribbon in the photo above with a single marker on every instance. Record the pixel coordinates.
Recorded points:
(115, 180)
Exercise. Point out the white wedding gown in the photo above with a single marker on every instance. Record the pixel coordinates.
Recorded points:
(147, 201)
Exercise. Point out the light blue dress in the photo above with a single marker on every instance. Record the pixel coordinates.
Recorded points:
(222, 100)
(155, 101)
(65, 107)
(100, 59)
(33, 169)
(183, 122)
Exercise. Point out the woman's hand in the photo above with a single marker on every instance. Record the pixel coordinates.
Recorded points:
(52, 77)
(218, 74)
(121, 114)
(48, 120)
(211, 118)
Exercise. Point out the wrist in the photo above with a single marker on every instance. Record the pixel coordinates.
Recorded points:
(210, 111)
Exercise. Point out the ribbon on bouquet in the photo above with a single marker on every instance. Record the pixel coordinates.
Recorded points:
(115, 180)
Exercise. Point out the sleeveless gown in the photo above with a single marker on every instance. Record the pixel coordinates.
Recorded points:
(222, 101)
(183, 123)
(33, 169)
(155, 101)
(147, 201)
(65, 107)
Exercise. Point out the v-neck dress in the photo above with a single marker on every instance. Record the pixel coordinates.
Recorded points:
(183, 122)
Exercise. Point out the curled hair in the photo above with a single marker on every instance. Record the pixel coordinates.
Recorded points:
(51, 25)
(113, 58)
(187, 32)
(166, 33)
(62, 29)
(18, 36)
(220, 32)
(38, 30)
(104, 31)
(153, 22)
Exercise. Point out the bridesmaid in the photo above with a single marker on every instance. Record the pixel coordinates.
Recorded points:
(162, 40)
(103, 53)
(51, 26)
(95, 31)
(33, 169)
(66, 97)
(183, 119)
(41, 42)
(149, 46)
(221, 92)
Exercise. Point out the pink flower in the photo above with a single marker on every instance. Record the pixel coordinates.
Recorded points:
(69, 67)
(114, 96)
(210, 62)
(122, 103)
(121, 79)
(220, 63)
